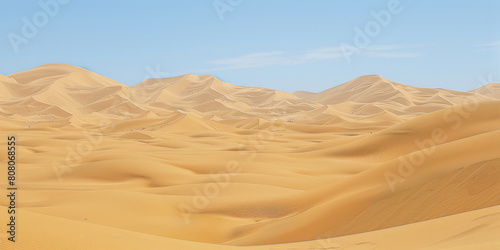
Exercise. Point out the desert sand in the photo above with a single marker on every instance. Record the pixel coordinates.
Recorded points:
(192, 162)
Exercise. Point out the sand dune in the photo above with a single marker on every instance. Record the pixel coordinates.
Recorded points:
(382, 94)
(191, 162)
(491, 90)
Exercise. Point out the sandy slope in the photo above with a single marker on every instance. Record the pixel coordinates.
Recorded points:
(471, 230)
(191, 162)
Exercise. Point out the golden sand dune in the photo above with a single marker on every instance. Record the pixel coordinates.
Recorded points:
(191, 162)
(491, 90)
(374, 94)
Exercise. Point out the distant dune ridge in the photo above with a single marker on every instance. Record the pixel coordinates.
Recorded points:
(70, 93)
(192, 162)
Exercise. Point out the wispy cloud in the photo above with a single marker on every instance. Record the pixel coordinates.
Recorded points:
(283, 58)
(495, 45)
(260, 60)
(391, 54)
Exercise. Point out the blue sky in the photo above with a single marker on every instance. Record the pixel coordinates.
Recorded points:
(282, 44)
